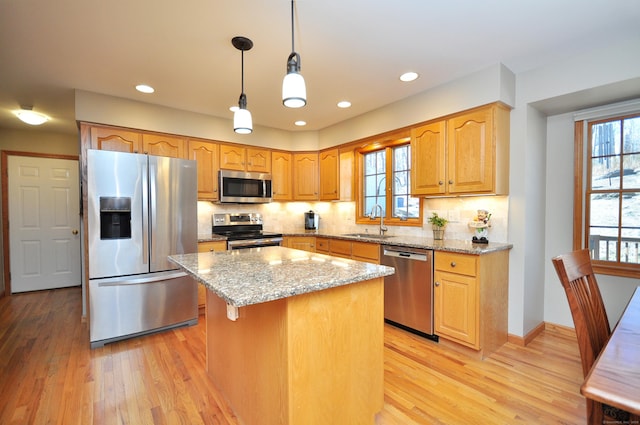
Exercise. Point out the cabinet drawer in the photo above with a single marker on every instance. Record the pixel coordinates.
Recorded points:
(322, 245)
(456, 263)
(340, 247)
(366, 251)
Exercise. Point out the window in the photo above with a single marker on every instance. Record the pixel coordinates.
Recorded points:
(386, 182)
(612, 194)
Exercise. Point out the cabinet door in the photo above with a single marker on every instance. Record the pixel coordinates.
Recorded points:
(206, 155)
(305, 176)
(456, 308)
(366, 251)
(428, 172)
(471, 150)
(115, 139)
(232, 157)
(305, 243)
(281, 176)
(346, 175)
(163, 145)
(329, 175)
(259, 160)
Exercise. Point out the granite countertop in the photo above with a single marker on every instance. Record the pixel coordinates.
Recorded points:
(452, 245)
(252, 276)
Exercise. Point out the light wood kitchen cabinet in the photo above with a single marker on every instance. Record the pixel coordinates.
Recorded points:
(471, 298)
(305, 176)
(250, 159)
(305, 243)
(207, 156)
(330, 175)
(347, 178)
(115, 139)
(467, 153)
(209, 246)
(164, 145)
(281, 169)
(361, 251)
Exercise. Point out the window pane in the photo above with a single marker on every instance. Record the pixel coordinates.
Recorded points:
(631, 172)
(605, 139)
(370, 185)
(381, 163)
(401, 158)
(605, 173)
(630, 229)
(631, 135)
(603, 230)
(400, 183)
(369, 164)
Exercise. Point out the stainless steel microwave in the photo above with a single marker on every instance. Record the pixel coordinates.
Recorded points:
(245, 188)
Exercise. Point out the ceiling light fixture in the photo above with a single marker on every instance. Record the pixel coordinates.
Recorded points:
(409, 76)
(300, 123)
(242, 122)
(30, 117)
(144, 88)
(344, 104)
(294, 91)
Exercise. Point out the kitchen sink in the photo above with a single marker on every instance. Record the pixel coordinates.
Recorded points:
(367, 235)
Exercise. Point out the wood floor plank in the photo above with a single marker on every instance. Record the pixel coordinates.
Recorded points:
(48, 374)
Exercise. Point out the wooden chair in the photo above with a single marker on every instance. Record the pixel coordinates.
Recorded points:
(590, 320)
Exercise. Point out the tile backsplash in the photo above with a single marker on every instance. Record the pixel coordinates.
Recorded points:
(339, 217)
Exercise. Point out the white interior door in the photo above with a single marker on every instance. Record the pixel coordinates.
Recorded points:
(44, 223)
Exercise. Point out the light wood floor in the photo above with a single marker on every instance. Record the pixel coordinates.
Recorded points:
(48, 374)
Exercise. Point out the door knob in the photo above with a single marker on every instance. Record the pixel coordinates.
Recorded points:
(74, 231)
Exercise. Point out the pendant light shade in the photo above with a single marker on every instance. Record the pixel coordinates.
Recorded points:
(294, 91)
(242, 122)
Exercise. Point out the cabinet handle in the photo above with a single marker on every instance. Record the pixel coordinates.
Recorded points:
(437, 283)
(453, 264)
(210, 249)
(440, 182)
(450, 181)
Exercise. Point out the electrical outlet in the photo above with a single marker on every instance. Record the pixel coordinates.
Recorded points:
(453, 216)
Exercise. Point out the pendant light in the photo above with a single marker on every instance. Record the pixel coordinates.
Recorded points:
(294, 91)
(242, 122)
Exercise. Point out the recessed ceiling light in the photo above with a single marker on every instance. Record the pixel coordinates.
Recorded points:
(143, 88)
(28, 116)
(408, 76)
(300, 123)
(344, 104)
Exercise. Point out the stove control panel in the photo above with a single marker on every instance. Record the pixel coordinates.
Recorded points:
(231, 219)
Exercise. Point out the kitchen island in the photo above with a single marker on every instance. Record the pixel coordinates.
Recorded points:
(293, 337)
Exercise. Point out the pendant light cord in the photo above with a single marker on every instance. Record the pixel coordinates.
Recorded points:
(293, 48)
(242, 72)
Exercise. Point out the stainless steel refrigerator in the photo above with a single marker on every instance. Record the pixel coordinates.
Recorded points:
(141, 208)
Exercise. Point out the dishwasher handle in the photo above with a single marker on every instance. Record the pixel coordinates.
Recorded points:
(406, 255)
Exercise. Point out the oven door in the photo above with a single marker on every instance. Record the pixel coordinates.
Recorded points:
(253, 243)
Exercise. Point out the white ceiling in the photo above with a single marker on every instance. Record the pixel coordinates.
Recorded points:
(350, 49)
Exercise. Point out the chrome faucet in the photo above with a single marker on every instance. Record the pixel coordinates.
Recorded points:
(383, 228)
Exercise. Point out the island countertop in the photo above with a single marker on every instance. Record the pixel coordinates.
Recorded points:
(252, 276)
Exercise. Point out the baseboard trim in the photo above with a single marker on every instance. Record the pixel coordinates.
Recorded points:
(524, 340)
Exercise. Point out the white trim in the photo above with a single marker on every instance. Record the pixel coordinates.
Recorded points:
(601, 112)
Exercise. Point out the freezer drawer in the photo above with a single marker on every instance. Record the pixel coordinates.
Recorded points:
(124, 307)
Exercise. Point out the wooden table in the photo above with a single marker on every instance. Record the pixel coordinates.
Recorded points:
(614, 378)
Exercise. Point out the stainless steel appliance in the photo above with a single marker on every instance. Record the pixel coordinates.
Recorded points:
(408, 294)
(311, 220)
(243, 230)
(247, 188)
(141, 209)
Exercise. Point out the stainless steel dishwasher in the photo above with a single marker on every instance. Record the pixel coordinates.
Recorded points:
(408, 294)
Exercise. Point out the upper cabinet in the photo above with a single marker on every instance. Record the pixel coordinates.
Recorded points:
(330, 175)
(465, 154)
(239, 158)
(164, 145)
(206, 154)
(281, 183)
(115, 139)
(305, 176)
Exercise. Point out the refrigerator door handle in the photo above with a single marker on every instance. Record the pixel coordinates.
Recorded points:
(129, 280)
(145, 214)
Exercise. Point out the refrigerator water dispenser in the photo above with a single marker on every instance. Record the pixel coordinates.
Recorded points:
(115, 218)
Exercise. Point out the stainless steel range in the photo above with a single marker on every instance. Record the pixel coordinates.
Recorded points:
(244, 230)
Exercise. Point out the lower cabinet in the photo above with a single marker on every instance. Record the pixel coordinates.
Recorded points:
(361, 251)
(470, 299)
(305, 243)
(211, 246)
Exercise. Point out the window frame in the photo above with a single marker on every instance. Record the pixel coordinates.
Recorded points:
(583, 191)
(387, 144)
